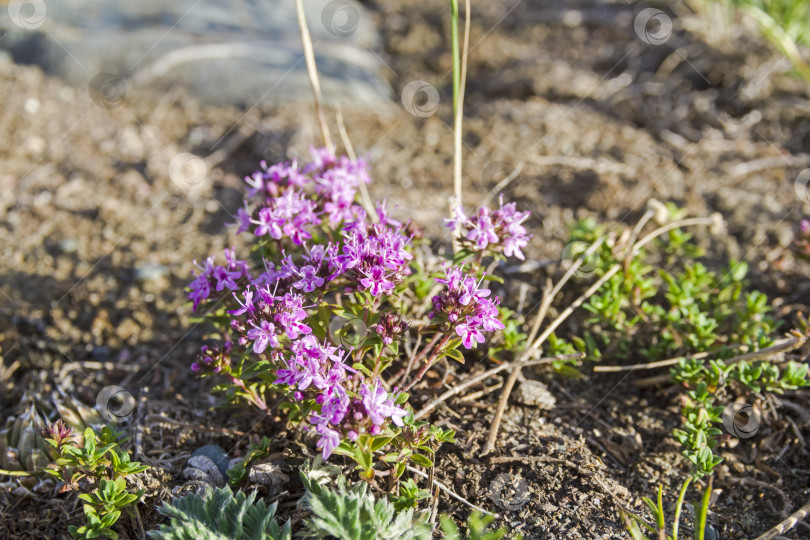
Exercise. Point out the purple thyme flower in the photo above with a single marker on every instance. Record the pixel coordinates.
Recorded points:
(242, 220)
(330, 439)
(262, 336)
(465, 307)
(376, 281)
(483, 231)
(200, 290)
(247, 306)
(291, 316)
(309, 279)
(225, 278)
(469, 333)
(335, 405)
(322, 159)
(268, 224)
(469, 291)
(379, 407)
(217, 277)
(500, 230)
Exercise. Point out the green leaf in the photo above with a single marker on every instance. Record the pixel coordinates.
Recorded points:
(455, 354)
(362, 458)
(353, 513)
(422, 461)
(220, 515)
(379, 442)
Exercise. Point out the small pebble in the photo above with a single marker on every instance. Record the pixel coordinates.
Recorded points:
(150, 272)
(535, 394)
(216, 454)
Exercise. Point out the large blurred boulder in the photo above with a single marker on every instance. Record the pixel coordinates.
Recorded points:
(227, 52)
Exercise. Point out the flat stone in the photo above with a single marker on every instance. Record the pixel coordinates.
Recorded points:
(147, 272)
(269, 475)
(535, 394)
(244, 53)
(216, 454)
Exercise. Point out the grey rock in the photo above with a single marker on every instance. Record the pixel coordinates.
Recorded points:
(68, 245)
(100, 354)
(151, 272)
(202, 469)
(242, 52)
(216, 454)
(269, 475)
(535, 394)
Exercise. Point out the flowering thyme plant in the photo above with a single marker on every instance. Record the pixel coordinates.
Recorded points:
(332, 290)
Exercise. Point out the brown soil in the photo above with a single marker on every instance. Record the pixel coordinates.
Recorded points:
(600, 123)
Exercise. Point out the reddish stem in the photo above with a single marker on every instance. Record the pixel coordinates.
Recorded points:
(429, 361)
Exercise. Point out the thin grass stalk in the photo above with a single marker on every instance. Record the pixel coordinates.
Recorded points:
(678, 507)
(702, 512)
(459, 83)
(312, 71)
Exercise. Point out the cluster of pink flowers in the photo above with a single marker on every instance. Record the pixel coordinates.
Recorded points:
(374, 256)
(260, 324)
(465, 307)
(274, 327)
(284, 209)
(218, 278)
(500, 230)
(354, 252)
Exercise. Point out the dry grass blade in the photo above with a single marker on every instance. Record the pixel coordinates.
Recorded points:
(787, 524)
(312, 71)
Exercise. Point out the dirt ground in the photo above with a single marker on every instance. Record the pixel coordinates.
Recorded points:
(98, 244)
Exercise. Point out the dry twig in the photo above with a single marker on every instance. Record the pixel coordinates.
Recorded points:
(790, 522)
(312, 70)
(786, 345)
(347, 143)
(481, 376)
(451, 492)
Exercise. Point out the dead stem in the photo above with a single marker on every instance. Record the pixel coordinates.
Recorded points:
(347, 143)
(489, 373)
(458, 122)
(312, 71)
(780, 346)
(783, 346)
(430, 360)
(474, 396)
(451, 492)
(790, 522)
